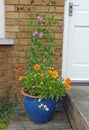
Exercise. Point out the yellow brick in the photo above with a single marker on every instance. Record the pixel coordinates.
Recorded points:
(16, 54)
(24, 15)
(57, 48)
(56, 30)
(24, 2)
(3, 73)
(11, 1)
(59, 9)
(3, 60)
(11, 28)
(11, 15)
(10, 35)
(3, 67)
(40, 2)
(22, 48)
(23, 8)
(58, 60)
(59, 42)
(58, 36)
(30, 15)
(22, 21)
(58, 16)
(9, 8)
(60, 2)
(22, 35)
(11, 21)
(51, 2)
(3, 55)
(23, 42)
(23, 29)
(44, 8)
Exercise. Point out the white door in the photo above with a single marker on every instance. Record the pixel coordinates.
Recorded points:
(76, 41)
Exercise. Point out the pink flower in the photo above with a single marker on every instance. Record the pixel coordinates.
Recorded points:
(40, 35)
(39, 18)
(34, 33)
(61, 26)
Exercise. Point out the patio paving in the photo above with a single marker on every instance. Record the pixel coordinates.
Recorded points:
(21, 121)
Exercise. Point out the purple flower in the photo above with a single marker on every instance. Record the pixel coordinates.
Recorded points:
(34, 33)
(39, 18)
(40, 35)
(62, 79)
(61, 26)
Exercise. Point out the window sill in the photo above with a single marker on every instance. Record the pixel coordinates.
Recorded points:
(6, 41)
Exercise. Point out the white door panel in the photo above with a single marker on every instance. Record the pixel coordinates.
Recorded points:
(76, 54)
(83, 5)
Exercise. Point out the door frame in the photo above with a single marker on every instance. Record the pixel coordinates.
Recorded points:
(65, 38)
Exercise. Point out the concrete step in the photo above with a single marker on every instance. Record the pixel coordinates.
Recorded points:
(76, 104)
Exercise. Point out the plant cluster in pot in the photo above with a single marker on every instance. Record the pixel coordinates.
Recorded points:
(42, 84)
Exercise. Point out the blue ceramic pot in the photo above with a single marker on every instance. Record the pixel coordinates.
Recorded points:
(39, 111)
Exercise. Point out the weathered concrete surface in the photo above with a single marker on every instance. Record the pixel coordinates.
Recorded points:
(21, 121)
(77, 106)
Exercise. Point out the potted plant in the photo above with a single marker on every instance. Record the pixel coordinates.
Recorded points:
(42, 84)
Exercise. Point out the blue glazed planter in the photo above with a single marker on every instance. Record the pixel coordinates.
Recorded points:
(39, 111)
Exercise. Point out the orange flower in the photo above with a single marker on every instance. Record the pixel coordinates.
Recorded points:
(67, 86)
(19, 69)
(20, 78)
(37, 67)
(42, 75)
(54, 74)
(68, 80)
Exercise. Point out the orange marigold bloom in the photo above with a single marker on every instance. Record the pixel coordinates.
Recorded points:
(42, 75)
(68, 80)
(67, 86)
(54, 74)
(20, 78)
(19, 69)
(37, 67)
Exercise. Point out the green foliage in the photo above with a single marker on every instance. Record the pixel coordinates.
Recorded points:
(6, 108)
(46, 84)
(39, 78)
(42, 43)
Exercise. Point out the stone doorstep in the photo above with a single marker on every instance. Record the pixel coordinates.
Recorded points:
(77, 107)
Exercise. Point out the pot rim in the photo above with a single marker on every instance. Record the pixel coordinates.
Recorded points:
(28, 95)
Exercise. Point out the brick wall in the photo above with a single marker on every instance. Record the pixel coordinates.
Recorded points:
(16, 18)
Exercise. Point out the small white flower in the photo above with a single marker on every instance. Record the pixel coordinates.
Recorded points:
(46, 109)
(39, 106)
(45, 106)
(39, 100)
(33, 86)
(42, 104)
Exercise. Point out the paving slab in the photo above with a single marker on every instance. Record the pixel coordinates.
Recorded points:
(21, 121)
